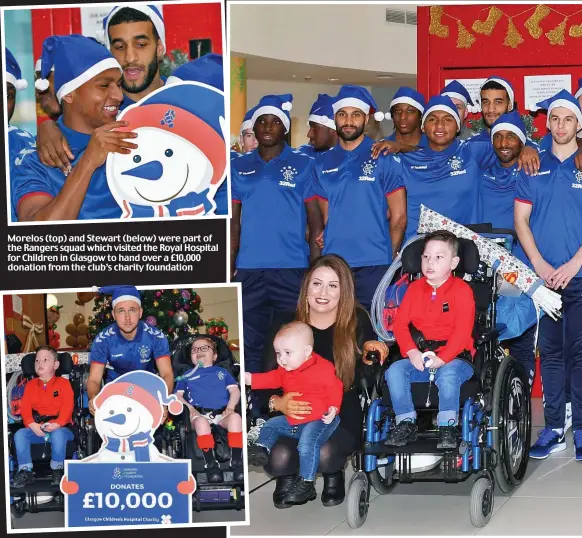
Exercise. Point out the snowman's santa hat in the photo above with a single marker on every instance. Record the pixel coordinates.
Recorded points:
(121, 293)
(144, 387)
(193, 111)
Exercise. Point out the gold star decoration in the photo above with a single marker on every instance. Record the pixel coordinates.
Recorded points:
(486, 28)
(533, 23)
(436, 26)
(575, 30)
(465, 39)
(557, 35)
(513, 38)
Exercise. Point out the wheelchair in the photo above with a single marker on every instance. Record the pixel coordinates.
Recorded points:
(40, 496)
(179, 439)
(495, 413)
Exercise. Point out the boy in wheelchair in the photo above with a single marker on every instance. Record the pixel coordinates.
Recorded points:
(47, 409)
(442, 307)
(211, 395)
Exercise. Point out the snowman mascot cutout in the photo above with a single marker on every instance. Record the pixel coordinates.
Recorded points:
(127, 413)
(181, 157)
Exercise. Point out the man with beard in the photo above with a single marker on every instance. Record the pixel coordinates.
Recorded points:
(497, 98)
(445, 175)
(462, 100)
(497, 194)
(547, 208)
(273, 205)
(350, 183)
(322, 134)
(87, 84)
(127, 345)
(135, 37)
(19, 140)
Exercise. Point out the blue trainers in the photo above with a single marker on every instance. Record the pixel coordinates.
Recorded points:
(548, 442)
(578, 444)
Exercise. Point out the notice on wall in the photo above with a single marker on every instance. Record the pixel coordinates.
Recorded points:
(472, 85)
(539, 88)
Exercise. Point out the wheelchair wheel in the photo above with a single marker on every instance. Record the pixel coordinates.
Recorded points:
(382, 479)
(17, 508)
(482, 499)
(511, 415)
(357, 501)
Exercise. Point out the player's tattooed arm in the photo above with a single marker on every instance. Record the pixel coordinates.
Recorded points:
(315, 224)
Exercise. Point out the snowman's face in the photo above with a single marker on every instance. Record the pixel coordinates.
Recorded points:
(162, 168)
(119, 416)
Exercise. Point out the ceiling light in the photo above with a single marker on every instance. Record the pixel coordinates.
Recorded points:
(384, 77)
(333, 79)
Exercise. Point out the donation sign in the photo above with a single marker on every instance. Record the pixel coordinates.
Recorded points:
(120, 494)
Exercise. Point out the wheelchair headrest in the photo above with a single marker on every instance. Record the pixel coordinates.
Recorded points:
(181, 360)
(468, 254)
(65, 364)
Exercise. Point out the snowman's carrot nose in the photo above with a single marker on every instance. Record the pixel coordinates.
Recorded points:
(116, 419)
(151, 171)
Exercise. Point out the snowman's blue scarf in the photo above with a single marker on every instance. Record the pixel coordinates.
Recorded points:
(142, 450)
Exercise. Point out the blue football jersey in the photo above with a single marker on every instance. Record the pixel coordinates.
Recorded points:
(206, 387)
(274, 218)
(34, 178)
(20, 144)
(555, 195)
(446, 181)
(355, 187)
(121, 355)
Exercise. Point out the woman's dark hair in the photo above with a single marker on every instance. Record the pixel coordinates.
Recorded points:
(345, 347)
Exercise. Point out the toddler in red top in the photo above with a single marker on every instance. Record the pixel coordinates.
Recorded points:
(442, 307)
(47, 408)
(303, 371)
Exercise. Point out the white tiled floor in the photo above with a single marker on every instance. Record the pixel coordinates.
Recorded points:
(550, 495)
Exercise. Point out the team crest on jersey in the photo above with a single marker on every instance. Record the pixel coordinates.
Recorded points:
(289, 174)
(456, 164)
(144, 353)
(220, 375)
(368, 170)
(578, 176)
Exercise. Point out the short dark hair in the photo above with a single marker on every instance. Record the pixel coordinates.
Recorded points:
(208, 339)
(446, 237)
(48, 348)
(493, 85)
(128, 14)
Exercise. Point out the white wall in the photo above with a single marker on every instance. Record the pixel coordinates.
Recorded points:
(351, 36)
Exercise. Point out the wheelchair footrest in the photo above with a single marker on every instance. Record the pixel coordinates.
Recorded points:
(215, 495)
(40, 485)
(426, 445)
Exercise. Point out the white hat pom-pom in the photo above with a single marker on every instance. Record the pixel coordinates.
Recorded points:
(378, 116)
(388, 116)
(42, 84)
(287, 106)
(21, 85)
(95, 289)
